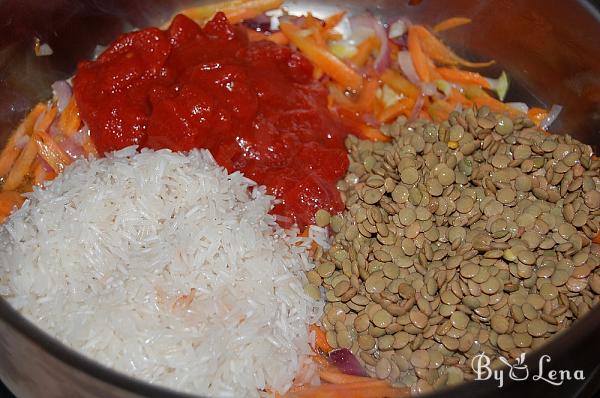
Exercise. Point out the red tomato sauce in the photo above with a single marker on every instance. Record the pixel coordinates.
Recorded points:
(254, 105)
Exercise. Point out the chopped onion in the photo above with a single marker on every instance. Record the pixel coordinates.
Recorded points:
(343, 49)
(443, 86)
(499, 85)
(552, 115)
(388, 96)
(62, 92)
(414, 114)
(407, 67)
(361, 28)
(520, 106)
(428, 89)
(346, 362)
(398, 28)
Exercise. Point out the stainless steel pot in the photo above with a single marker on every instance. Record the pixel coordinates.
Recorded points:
(551, 48)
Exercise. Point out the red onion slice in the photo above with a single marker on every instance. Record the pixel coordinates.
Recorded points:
(407, 67)
(414, 114)
(552, 115)
(346, 362)
(520, 106)
(363, 26)
(62, 92)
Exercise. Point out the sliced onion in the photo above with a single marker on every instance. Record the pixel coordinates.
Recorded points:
(552, 115)
(520, 106)
(407, 67)
(428, 89)
(260, 23)
(383, 58)
(499, 85)
(414, 114)
(62, 92)
(346, 362)
(362, 27)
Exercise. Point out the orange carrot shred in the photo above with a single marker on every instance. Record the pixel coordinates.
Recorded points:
(399, 83)
(417, 54)
(11, 151)
(436, 50)
(236, 10)
(8, 201)
(537, 115)
(363, 51)
(596, 239)
(402, 107)
(451, 23)
(69, 121)
(320, 339)
(49, 150)
(334, 20)
(322, 58)
(463, 77)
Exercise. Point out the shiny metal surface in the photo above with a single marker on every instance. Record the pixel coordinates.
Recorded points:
(551, 48)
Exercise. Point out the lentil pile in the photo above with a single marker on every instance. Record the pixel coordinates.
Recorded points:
(469, 236)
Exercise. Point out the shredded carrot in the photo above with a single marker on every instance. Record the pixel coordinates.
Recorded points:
(596, 239)
(69, 121)
(332, 375)
(363, 51)
(463, 77)
(399, 83)
(481, 98)
(402, 107)
(320, 339)
(236, 10)
(417, 54)
(276, 37)
(334, 20)
(322, 58)
(438, 51)
(451, 23)
(11, 151)
(373, 134)
(456, 97)
(368, 389)
(537, 115)
(440, 110)
(8, 201)
(21, 166)
(49, 150)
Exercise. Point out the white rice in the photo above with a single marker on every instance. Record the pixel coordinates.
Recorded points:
(99, 258)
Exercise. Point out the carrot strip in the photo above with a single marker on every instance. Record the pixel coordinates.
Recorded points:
(320, 339)
(402, 107)
(436, 50)
(49, 150)
(456, 97)
(363, 51)
(322, 58)
(336, 377)
(537, 115)
(417, 54)
(276, 37)
(21, 166)
(373, 134)
(399, 83)
(69, 121)
(451, 23)
(440, 110)
(463, 77)
(334, 20)
(481, 98)
(11, 151)
(8, 201)
(596, 239)
(236, 10)
(371, 389)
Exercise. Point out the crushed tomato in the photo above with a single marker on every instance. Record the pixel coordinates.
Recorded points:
(254, 105)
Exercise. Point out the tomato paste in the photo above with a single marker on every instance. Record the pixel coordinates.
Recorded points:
(254, 105)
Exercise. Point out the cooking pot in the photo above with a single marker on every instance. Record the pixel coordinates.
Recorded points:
(550, 48)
